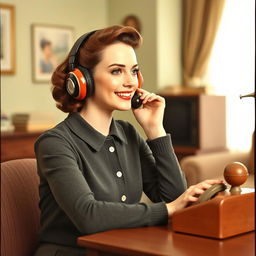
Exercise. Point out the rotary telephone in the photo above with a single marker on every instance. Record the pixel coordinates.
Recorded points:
(210, 193)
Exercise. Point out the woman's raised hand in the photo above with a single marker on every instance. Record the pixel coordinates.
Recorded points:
(150, 115)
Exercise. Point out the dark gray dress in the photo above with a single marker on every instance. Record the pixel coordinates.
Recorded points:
(91, 183)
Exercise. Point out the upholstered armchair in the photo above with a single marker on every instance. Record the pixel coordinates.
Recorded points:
(211, 166)
(19, 207)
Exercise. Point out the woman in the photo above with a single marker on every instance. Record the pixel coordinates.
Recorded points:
(93, 168)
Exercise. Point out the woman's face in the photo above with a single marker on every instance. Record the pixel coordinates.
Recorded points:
(115, 77)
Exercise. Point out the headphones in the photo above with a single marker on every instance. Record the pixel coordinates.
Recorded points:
(79, 82)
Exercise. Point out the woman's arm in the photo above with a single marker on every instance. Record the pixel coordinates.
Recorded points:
(162, 176)
(163, 179)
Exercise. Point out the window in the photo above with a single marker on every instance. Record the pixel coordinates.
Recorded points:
(231, 70)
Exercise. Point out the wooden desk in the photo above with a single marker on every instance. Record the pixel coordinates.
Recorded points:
(162, 242)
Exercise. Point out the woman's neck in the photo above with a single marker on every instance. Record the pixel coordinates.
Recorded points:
(99, 119)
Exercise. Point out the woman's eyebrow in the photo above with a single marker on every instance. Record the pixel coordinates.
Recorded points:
(121, 65)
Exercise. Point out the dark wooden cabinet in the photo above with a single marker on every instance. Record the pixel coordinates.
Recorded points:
(16, 145)
(197, 123)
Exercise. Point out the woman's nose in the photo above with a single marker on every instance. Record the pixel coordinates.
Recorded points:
(130, 80)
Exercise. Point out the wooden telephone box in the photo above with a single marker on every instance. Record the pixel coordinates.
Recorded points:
(229, 213)
(224, 216)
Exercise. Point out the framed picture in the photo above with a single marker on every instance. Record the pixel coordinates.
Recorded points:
(7, 29)
(132, 21)
(50, 46)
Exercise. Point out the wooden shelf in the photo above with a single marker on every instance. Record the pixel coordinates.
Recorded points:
(16, 145)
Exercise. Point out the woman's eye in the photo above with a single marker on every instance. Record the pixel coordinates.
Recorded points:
(135, 71)
(116, 71)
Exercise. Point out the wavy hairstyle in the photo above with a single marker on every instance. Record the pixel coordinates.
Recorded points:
(89, 55)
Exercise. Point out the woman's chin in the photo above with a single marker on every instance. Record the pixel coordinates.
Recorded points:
(124, 107)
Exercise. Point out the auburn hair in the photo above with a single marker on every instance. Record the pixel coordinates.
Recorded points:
(89, 55)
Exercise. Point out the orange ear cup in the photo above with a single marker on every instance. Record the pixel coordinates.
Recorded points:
(82, 84)
(140, 79)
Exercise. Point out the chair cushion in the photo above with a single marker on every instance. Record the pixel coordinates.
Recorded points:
(19, 207)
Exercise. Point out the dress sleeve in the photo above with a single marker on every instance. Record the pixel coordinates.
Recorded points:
(57, 164)
(163, 180)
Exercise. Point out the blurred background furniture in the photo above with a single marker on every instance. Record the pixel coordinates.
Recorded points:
(194, 131)
(19, 207)
(17, 145)
(211, 166)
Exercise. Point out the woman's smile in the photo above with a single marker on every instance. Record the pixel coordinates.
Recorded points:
(125, 95)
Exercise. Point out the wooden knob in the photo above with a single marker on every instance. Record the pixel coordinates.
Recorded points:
(235, 174)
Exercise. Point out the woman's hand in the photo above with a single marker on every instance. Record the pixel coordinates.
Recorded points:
(190, 195)
(150, 116)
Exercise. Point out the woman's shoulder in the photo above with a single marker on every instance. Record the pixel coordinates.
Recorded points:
(59, 132)
(129, 130)
(126, 126)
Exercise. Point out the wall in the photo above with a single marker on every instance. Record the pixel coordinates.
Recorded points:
(18, 92)
(168, 43)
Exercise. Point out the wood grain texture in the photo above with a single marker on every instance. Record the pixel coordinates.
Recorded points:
(161, 241)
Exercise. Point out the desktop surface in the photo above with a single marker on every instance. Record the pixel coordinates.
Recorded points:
(160, 241)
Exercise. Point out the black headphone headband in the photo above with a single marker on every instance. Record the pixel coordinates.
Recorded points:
(75, 49)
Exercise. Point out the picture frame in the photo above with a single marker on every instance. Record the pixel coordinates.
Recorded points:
(132, 21)
(50, 46)
(7, 31)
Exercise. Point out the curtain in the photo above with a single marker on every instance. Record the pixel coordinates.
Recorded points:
(200, 22)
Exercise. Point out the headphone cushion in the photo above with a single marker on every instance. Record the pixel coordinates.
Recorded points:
(140, 79)
(89, 80)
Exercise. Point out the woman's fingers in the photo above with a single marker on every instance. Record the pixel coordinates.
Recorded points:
(149, 97)
(146, 96)
(198, 189)
(192, 199)
(153, 97)
(213, 181)
(190, 195)
(208, 183)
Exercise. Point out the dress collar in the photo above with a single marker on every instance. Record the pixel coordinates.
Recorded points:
(91, 136)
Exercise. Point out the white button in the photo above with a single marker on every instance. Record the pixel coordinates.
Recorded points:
(111, 149)
(123, 198)
(119, 174)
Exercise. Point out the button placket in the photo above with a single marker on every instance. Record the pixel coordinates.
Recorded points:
(117, 171)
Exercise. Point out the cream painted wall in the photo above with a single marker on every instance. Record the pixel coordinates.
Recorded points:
(168, 43)
(18, 92)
